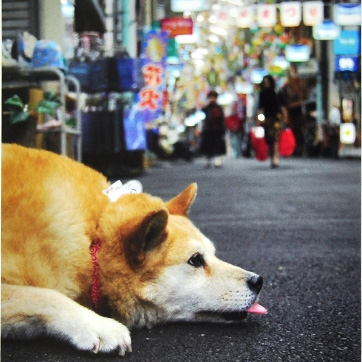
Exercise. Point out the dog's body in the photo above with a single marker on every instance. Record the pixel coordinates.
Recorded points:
(152, 265)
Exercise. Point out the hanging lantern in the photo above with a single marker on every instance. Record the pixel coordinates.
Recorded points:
(245, 17)
(312, 13)
(290, 13)
(267, 15)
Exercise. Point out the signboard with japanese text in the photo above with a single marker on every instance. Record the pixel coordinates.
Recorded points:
(150, 98)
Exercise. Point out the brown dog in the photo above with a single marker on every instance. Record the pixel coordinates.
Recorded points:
(70, 255)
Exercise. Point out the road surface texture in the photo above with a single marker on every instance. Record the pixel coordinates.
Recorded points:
(298, 226)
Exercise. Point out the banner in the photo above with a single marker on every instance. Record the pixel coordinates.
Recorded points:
(150, 98)
(313, 12)
(290, 13)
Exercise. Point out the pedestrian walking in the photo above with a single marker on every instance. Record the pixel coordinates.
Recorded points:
(293, 93)
(234, 126)
(212, 143)
(335, 120)
(271, 113)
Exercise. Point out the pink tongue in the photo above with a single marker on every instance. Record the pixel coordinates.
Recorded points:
(257, 309)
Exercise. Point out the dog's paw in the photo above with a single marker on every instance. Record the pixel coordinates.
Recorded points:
(99, 334)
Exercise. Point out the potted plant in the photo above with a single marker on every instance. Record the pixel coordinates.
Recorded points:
(23, 122)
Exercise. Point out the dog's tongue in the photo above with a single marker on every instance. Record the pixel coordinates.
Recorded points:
(256, 308)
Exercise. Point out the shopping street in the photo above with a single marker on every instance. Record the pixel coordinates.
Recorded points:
(127, 101)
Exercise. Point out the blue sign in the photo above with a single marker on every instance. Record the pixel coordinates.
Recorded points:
(134, 130)
(346, 63)
(348, 43)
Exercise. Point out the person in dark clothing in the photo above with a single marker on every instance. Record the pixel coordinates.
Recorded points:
(294, 99)
(271, 107)
(212, 143)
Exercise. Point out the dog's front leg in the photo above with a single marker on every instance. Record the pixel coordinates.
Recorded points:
(27, 312)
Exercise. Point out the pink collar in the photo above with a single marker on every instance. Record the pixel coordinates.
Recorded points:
(96, 285)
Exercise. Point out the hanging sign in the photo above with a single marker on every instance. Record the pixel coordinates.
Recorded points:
(297, 53)
(327, 30)
(245, 17)
(177, 26)
(290, 13)
(313, 12)
(267, 15)
(347, 14)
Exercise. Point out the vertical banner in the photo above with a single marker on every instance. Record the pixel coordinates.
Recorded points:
(290, 13)
(150, 98)
(245, 17)
(267, 15)
(313, 13)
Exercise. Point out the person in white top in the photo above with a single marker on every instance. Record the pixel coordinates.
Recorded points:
(335, 120)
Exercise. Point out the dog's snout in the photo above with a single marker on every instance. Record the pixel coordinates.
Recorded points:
(255, 283)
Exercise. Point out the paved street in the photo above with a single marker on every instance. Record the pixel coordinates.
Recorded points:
(299, 227)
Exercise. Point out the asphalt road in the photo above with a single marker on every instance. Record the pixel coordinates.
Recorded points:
(299, 226)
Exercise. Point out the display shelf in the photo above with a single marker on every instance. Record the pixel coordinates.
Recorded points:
(16, 77)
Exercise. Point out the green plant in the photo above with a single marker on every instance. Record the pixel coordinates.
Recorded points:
(19, 111)
(48, 104)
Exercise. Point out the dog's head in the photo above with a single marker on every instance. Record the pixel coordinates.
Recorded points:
(156, 266)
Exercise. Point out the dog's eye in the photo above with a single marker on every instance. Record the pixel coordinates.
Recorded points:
(196, 260)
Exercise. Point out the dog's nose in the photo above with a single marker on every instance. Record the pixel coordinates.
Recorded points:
(255, 283)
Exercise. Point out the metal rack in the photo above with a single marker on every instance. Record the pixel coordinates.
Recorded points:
(16, 76)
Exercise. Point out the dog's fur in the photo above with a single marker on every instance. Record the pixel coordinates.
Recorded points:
(155, 266)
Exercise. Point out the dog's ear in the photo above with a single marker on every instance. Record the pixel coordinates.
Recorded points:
(180, 204)
(150, 234)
